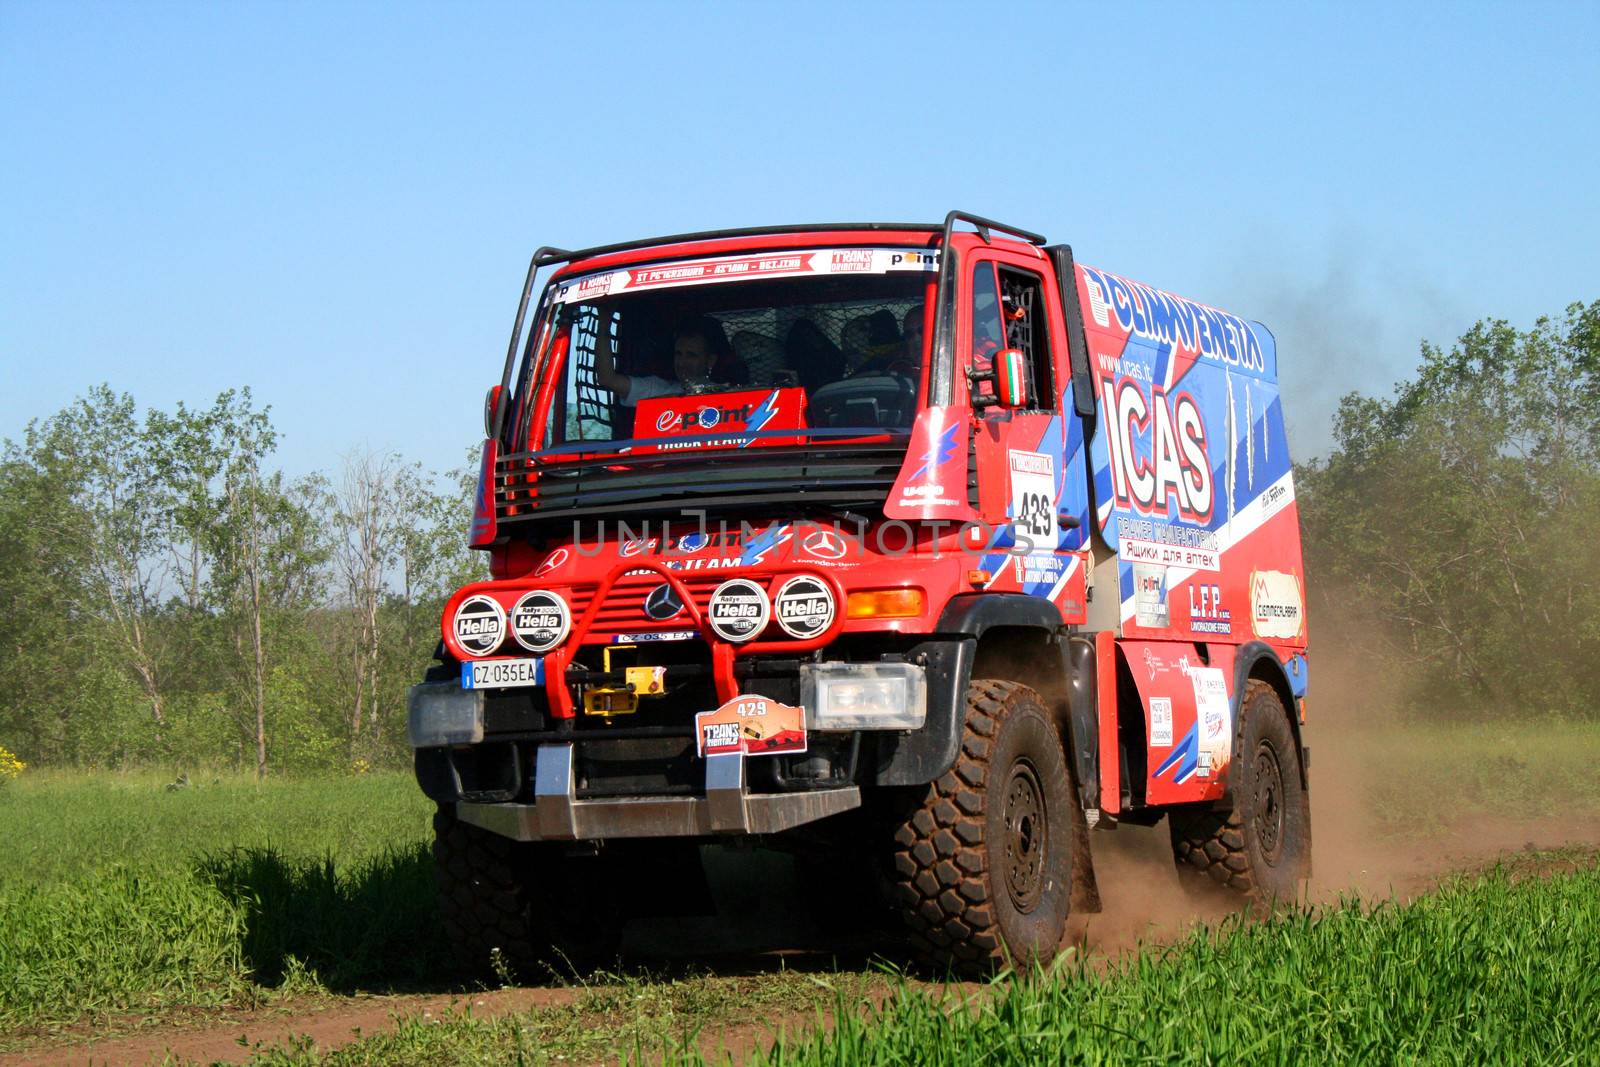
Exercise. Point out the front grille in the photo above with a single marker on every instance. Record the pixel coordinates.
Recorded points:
(531, 486)
(623, 610)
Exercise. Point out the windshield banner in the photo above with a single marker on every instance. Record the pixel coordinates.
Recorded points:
(719, 420)
(743, 268)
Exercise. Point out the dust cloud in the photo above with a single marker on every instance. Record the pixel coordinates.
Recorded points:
(1353, 324)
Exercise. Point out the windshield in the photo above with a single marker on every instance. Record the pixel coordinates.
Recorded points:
(834, 337)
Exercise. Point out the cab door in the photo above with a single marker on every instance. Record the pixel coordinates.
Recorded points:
(1031, 483)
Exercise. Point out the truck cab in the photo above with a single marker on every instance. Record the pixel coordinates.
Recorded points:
(920, 546)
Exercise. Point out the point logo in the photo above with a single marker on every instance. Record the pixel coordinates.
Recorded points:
(635, 546)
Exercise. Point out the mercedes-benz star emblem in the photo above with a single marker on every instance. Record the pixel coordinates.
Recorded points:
(662, 603)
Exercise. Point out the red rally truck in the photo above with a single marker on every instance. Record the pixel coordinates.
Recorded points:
(918, 550)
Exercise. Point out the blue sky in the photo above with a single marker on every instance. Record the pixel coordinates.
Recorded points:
(334, 203)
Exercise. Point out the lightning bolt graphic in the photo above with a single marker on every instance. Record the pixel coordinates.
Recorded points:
(760, 417)
(939, 452)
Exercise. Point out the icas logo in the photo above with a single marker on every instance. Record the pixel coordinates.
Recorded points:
(1158, 450)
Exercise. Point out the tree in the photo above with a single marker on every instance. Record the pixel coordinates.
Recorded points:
(100, 448)
(366, 515)
(1460, 514)
(265, 546)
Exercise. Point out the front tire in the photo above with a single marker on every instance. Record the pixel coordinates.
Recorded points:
(1262, 848)
(513, 909)
(982, 857)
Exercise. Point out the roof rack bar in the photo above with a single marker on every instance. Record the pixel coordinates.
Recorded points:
(984, 225)
(548, 256)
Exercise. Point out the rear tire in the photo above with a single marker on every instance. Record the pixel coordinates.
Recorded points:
(519, 910)
(982, 857)
(1262, 848)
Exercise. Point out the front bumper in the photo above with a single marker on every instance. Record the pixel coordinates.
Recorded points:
(726, 808)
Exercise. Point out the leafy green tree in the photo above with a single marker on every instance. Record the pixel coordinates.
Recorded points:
(267, 552)
(1458, 516)
(101, 449)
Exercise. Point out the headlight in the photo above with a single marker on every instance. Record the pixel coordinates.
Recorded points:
(442, 713)
(864, 696)
(540, 620)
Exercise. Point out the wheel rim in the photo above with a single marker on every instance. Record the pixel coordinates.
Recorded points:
(1026, 836)
(1269, 802)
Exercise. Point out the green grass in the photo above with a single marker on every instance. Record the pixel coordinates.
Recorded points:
(59, 826)
(1497, 969)
(121, 898)
(1417, 779)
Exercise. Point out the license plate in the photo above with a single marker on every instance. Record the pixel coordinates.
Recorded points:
(501, 673)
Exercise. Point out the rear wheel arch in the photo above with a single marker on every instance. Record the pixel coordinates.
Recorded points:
(1257, 661)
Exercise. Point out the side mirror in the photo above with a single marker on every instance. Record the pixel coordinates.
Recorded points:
(491, 409)
(1010, 378)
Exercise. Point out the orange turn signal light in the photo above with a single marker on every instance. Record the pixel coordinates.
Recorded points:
(885, 604)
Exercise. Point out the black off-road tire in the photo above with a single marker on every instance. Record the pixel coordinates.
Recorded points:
(1262, 848)
(516, 909)
(982, 857)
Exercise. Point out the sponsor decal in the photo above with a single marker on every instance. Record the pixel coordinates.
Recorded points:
(1033, 495)
(1040, 569)
(1203, 764)
(635, 545)
(753, 725)
(1150, 595)
(804, 607)
(479, 625)
(1195, 559)
(914, 261)
(739, 610)
(741, 268)
(1153, 663)
(1206, 613)
(1166, 319)
(938, 454)
(1275, 497)
(1160, 722)
(690, 543)
(555, 559)
(662, 603)
(1276, 609)
(741, 415)
(1157, 447)
(540, 620)
(719, 269)
(1143, 541)
(825, 544)
(1213, 716)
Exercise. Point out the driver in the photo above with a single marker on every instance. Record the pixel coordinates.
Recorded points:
(699, 347)
(907, 358)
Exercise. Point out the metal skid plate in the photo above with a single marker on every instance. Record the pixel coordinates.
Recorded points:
(727, 808)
